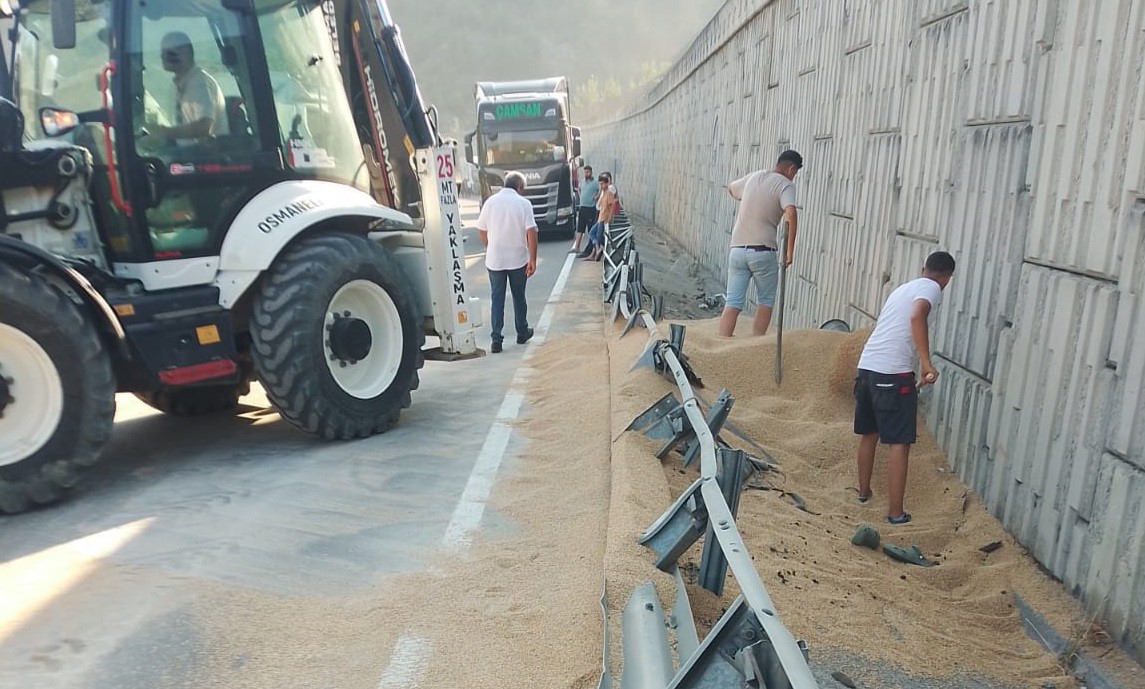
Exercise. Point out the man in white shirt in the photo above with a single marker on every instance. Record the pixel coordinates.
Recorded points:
(509, 233)
(886, 393)
(767, 197)
(200, 108)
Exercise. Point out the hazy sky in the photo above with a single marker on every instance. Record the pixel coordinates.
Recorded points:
(455, 43)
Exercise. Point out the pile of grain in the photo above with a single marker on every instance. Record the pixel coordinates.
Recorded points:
(956, 618)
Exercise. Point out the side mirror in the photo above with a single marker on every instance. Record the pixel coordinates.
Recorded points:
(575, 141)
(64, 24)
(469, 156)
(11, 126)
(57, 122)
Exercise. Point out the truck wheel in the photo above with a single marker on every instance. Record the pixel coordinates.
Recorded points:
(335, 340)
(57, 392)
(196, 401)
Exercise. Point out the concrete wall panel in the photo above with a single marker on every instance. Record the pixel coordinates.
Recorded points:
(1009, 132)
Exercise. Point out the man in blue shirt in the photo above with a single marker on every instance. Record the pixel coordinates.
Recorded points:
(586, 210)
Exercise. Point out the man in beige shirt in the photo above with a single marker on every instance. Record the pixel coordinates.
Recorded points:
(200, 109)
(766, 197)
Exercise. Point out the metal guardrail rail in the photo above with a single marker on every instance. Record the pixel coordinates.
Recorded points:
(749, 646)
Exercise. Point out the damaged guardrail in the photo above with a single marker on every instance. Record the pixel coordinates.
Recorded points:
(749, 646)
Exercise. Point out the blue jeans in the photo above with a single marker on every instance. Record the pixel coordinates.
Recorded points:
(761, 267)
(596, 234)
(516, 279)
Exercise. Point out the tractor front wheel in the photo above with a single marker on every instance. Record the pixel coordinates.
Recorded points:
(336, 341)
(57, 392)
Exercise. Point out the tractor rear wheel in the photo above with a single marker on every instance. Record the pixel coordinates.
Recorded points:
(57, 392)
(336, 341)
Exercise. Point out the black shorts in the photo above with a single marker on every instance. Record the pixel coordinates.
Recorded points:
(887, 404)
(585, 218)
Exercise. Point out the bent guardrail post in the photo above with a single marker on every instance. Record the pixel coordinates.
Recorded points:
(678, 528)
(648, 358)
(619, 292)
(672, 427)
(676, 336)
(733, 468)
(738, 652)
(657, 411)
(632, 321)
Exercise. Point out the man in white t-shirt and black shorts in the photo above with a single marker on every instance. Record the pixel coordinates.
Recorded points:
(509, 232)
(886, 392)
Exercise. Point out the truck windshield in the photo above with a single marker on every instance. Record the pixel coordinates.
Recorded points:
(59, 78)
(529, 147)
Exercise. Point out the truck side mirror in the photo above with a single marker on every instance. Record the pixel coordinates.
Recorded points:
(469, 156)
(575, 141)
(64, 24)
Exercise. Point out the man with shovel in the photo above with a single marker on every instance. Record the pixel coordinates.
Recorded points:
(766, 197)
(886, 391)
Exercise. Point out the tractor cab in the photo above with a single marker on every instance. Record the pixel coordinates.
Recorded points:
(198, 194)
(198, 106)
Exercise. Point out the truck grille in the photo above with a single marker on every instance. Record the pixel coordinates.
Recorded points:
(544, 200)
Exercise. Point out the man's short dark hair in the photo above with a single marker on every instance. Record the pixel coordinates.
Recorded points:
(790, 156)
(515, 181)
(940, 263)
(588, 167)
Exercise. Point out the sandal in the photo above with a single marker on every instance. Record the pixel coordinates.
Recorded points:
(911, 554)
(864, 498)
(899, 519)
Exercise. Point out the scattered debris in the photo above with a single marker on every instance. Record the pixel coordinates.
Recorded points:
(843, 679)
(796, 498)
(991, 547)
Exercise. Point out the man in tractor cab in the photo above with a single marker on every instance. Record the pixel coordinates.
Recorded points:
(200, 109)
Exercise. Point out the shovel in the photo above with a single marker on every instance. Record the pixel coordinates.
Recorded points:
(781, 246)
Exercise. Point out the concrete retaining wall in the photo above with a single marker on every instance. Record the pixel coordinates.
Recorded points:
(1009, 132)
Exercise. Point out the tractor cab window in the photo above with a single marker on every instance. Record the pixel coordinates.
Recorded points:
(315, 123)
(194, 125)
(192, 77)
(73, 79)
(66, 78)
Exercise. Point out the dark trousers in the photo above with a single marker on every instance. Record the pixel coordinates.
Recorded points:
(516, 279)
(585, 217)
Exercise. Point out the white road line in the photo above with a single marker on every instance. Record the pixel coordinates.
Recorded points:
(408, 660)
(407, 663)
(471, 506)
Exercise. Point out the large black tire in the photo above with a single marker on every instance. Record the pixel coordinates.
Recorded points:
(196, 401)
(308, 360)
(60, 403)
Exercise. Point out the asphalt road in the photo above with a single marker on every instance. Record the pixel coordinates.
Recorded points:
(92, 591)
